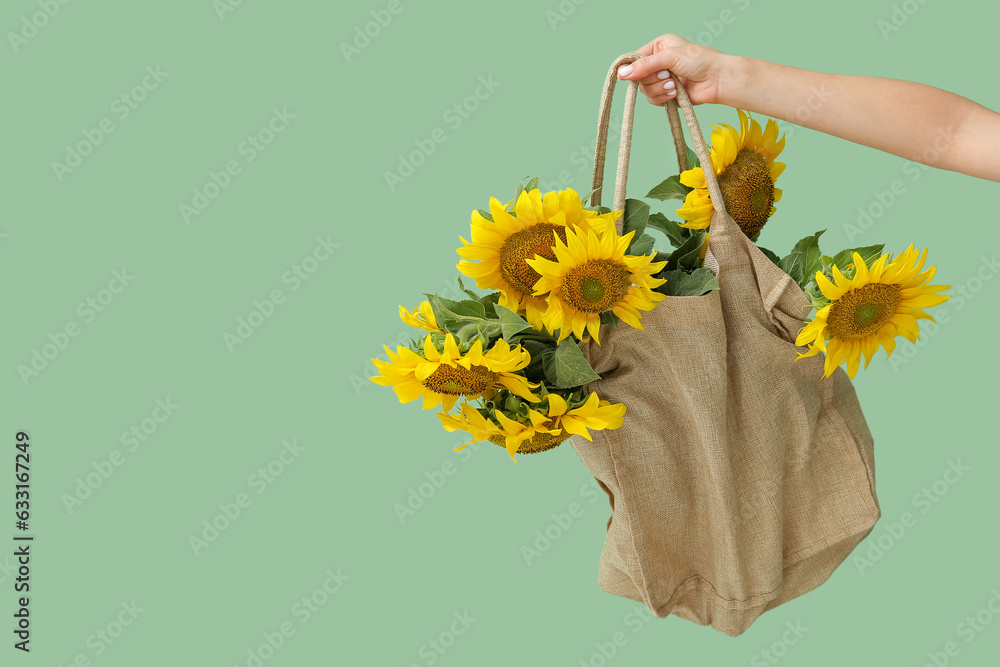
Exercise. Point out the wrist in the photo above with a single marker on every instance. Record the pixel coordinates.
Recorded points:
(733, 78)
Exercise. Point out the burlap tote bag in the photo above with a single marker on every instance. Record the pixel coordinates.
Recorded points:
(740, 479)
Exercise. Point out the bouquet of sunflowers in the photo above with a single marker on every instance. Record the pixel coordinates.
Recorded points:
(556, 270)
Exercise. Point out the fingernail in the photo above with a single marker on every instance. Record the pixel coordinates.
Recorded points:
(668, 85)
(663, 74)
(625, 70)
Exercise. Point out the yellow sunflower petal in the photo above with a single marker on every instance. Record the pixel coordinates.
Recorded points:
(830, 291)
(694, 178)
(557, 405)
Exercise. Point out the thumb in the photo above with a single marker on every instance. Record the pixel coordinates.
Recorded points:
(668, 58)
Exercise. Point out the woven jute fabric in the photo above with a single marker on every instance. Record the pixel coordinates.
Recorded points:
(740, 478)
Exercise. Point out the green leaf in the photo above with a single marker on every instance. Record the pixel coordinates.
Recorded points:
(485, 214)
(571, 367)
(816, 298)
(673, 231)
(868, 253)
(693, 160)
(466, 333)
(516, 406)
(453, 315)
(586, 198)
(488, 302)
(547, 358)
(437, 338)
(535, 371)
(804, 260)
(520, 189)
(770, 255)
(642, 245)
(488, 331)
(472, 294)
(688, 256)
(465, 308)
(484, 330)
(522, 186)
(672, 188)
(682, 283)
(693, 259)
(511, 323)
(634, 218)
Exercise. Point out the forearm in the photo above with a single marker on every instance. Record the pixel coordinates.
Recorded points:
(911, 120)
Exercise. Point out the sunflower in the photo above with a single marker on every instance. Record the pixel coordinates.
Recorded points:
(515, 436)
(594, 414)
(593, 275)
(545, 428)
(878, 304)
(500, 248)
(422, 317)
(744, 165)
(472, 420)
(441, 378)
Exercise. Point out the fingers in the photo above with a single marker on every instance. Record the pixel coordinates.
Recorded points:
(657, 78)
(669, 61)
(656, 82)
(649, 66)
(658, 93)
(647, 49)
(659, 87)
(660, 43)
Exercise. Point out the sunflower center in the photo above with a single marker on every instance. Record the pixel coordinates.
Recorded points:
(537, 239)
(596, 285)
(457, 380)
(537, 443)
(863, 311)
(748, 191)
(592, 289)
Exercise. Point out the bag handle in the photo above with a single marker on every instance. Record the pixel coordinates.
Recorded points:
(751, 284)
(621, 176)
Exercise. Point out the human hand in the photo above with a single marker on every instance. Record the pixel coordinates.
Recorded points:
(701, 70)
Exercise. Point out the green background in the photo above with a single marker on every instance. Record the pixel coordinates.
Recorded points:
(300, 375)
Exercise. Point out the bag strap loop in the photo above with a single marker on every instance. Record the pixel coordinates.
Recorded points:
(681, 101)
